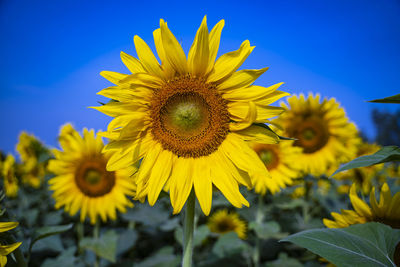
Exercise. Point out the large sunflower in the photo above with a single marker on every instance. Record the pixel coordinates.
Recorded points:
(386, 211)
(10, 181)
(322, 130)
(188, 119)
(222, 222)
(281, 161)
(6, 249)
(82, 181)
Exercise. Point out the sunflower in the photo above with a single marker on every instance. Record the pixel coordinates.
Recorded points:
(4, 248)
(386, 211)
(188, 119)
(9, 179)
(362, 177)
(322, 130)
(82, 181)
(281, 161)
(222, 222)
(30, 149)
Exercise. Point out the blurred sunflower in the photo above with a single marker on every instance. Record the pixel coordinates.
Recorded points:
(188, 118)
(10, 181)
(30, 149)
(281, 162)
(222, 222)
(82, 181)
(321, 129)
(362, 177)
(4, 248)
(386, 211)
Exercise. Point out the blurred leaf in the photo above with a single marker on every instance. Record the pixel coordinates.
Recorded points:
(267, 230)
(147, 215)
(284, 260)
(385, 154)
(170, 224)
(228, 244)
(126, 240)
(163, 258)
(53, 218)
(370, 244)
(292, 204)
(48, 231)
(65, 259)
(105, 246)
(391, 99)
(200, 234)
(52, 243)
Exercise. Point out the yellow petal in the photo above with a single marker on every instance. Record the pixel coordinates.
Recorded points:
(224, 182)
(251, 93)
(214, 38)
(258, 134)
(132, 63)
(181, 183)
(244, 114)
(202, 184)
(168, 69)
(7, 249)
(114, 77)
(147, 58)
(199, 52)
(230, 62)
(5, 226)
(173, 50)
(124, 94)
(359, 206)
(240, 79)
(114, 109)
(159, 175)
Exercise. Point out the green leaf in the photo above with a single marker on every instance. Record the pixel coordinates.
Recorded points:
(65, 259)
(385, 154)
(267, 230)
(163, 258)
(284, 260)
(105, 246)
(149, 216)
(391, 99)
(370, 244)
(126, 241)
(229, 244)
(199, 235)
(48, 231)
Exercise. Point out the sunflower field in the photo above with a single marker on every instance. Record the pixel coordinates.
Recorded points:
(201, 165)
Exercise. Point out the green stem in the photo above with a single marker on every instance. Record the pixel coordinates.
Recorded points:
(79, 235)
(96, 231)
(188, 230)
(259, 219)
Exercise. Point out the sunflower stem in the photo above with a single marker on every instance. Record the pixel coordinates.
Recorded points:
(79, 235)
(259, 219)
(188, 230)
(96, 231)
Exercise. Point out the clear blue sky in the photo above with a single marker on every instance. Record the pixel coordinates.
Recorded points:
(52, 52)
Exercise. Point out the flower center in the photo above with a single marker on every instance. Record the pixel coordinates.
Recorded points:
(268, 154)
(311, 133)
(93, 179)
(225, 226)
(189, 117)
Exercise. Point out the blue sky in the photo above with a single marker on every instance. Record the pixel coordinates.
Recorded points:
(52, 52)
